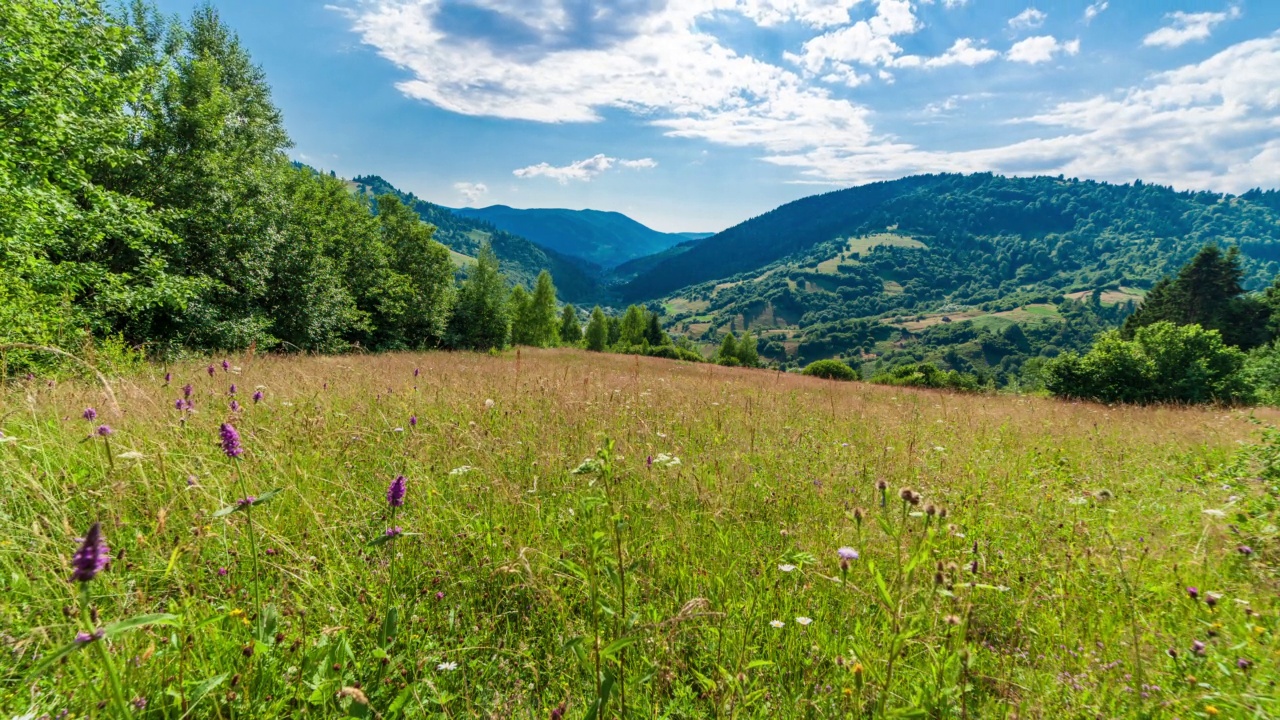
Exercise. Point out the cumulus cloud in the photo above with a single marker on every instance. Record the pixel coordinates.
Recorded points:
(1041, 48)
(866, 42)
(1188, 27)
(1095, 10)
(582, 170)
(962, 52)
(471, 192)
(1028, 19)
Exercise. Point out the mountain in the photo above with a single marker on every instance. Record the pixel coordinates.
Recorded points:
(603, 238)
(941, 266)
(577, 281)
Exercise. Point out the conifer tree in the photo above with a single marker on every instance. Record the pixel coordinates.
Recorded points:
(653, 332)
(482, 318)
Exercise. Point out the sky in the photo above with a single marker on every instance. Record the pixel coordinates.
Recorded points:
(694, 115)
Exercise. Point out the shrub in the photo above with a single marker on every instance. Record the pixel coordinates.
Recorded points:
(927, 375)
(832, 370)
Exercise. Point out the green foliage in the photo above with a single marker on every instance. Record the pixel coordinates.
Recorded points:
(481, 318)
(597, 331)
(533, 317)
(832, 370)
(570, 327)
(1162, 363)
(1206, 292)
(633, 326)
(728, 353)
(926, 375)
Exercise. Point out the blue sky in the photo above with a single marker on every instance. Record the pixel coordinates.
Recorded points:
(693, 115)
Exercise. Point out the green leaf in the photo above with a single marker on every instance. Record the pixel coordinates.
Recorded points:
(612, 649)
(606, 689)
(880, 584)
(389, 625)
(204, 687)
(138, 621)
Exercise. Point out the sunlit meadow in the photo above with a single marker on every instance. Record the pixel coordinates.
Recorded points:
(569, 535)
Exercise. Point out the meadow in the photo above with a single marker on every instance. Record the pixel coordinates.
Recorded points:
(582, 535)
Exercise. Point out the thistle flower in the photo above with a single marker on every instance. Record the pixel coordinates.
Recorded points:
(140, 702)
(396, 492)
(1210, 599)
(439, 595)
(257, 396)
(231, 441)
(558, 712)
(222, 572)
(847, 554)
(1193, 592)
(1197, 647)
(104, 430)
(187, 390)
(92, 557)
(90, 414)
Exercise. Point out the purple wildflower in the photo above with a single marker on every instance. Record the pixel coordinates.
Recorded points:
(1243, 663)
(187, 390)
(1197, 647)
(232, 391)
(231, 441)
(1193, 592)
(191, 480)
(257, 396)
(246, 501)
(179, 404)
(140, 702)
(648, 462)
(415, 372)
(83, 638)
(396, 492)
(210, 370)
(104, 430)
(413, 421)
(847, 555)
(222, 572)
(1210, 599)
(168, 378)
(226, 366)
(90, 414)
(558, 712)
(1245, 550)
(440, 595)
(92, 556)
(394, 532)
(235, 406)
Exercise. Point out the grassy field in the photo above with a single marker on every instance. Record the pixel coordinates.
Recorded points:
(616, 536)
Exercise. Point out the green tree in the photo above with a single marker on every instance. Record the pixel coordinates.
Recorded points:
(417, 292)
(831, 370)
(654, 333)
(633, 326)
(544, 326)
(597, 331)
(728, 354)
(522, 321)
(615, 331)
(570, 328)
(747, 353)
(482, 317)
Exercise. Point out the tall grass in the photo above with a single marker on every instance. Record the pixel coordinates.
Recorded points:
(602, 536)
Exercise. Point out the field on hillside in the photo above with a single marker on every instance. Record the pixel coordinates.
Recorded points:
(591, 536)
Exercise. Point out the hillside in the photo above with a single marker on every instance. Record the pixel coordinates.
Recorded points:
(869, 270)
(606, 239)
(576, 280)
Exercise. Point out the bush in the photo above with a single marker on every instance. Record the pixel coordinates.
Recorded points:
(1163, 363)
(927, 375)
(832, 370)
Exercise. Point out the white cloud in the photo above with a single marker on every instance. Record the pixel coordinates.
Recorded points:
(962, 52)
(1041, 48)
(1189, 27)
(866, 42)
(816, 13)
(1095, 10)
(582, 170)
(1028, 19)
(471, 192)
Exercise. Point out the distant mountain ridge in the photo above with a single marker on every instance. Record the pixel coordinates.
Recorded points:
(521, 259)
(601, 237)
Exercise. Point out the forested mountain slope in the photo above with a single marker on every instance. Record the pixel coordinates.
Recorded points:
(521, 259)
(605, 238)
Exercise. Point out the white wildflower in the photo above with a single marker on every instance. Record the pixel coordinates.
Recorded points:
(786, 567)
(803, 620)
(447, 666)
(776, 623)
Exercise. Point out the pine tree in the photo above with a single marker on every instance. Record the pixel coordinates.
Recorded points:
(728, 354)
(570, 330)
(482, 318)
(542, 313)
(598, 331)
(653, 332)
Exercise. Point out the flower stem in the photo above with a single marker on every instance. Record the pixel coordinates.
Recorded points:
(104, 658)
(253, 549)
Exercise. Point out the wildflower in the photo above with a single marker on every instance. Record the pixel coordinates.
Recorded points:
(1245, 550)
(235, 406)
(232, 391)
(394, 532)
(104, 430)
(951, 620)
(1211, 711)
(802, 620)
(396, 492)
(90, 414)
(187, 390)
(1193, 592)
(847, 554)
(168, 378)
(226, 366)
(178, 404)
(222, 572)
(1172, 653)
(140, 702)
(191, 480)
(1198, 647)
(777, 623)
(558, 712)
(1244, 664)
(786, 567)
(447, 666)
(92, 556)
(1210, 599)
(440, 595)
(231, 441)
(413, 421)
(415, 372)
(488, 404)
(648, 461)
(84, 638)
(210, 370)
